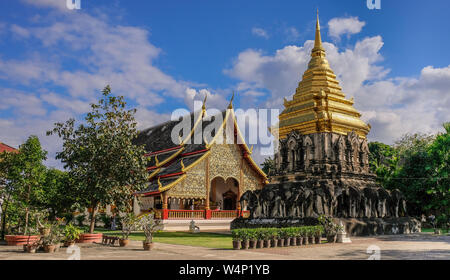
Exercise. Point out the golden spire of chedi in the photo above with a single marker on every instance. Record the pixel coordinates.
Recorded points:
(319, 105)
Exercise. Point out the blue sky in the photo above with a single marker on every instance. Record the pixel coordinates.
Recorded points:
(162, 54)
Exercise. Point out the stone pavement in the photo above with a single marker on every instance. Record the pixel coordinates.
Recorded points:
(414, 246)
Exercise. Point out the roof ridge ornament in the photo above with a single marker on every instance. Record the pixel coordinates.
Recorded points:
(159, 183)
(182, 165)
(204, 102)
(230, 106)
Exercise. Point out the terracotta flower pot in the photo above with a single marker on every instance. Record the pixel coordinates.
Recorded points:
(267, 243)
(148, 246)
(18, 240)
(331, 239)
(274, 243)
(30, 249)
(294, 241)
(305, 241)
(236, 244)
(311, 240)
(49, 248)
(281, 242)
(245, 244)
(318, 239)
(253, 244)
(90, 238)
(287, 242)
(124, 242)
(260, 244)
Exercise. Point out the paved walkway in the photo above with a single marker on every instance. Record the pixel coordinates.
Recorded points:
(416, 246)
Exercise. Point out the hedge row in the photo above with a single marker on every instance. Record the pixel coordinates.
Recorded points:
(244, 234)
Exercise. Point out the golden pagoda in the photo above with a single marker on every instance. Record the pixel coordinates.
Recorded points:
(319, 105)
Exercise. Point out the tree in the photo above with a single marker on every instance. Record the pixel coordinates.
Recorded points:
(383, 161)
(57, 194)
(268, 165)
(104, 164)
(24, 174)
(439, 169)
(412, 176)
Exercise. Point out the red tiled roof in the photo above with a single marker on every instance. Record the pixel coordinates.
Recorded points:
(6, 148)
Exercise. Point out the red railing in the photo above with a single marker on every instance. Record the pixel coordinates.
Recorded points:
(200, 214)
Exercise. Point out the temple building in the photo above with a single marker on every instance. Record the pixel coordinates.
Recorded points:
(195, 178)
(6, 148)
(322, 164)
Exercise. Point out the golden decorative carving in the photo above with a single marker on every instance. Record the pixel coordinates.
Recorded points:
(319, 105)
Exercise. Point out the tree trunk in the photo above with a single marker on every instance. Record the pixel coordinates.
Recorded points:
(5, 209)
(92, 225)
(27, 211)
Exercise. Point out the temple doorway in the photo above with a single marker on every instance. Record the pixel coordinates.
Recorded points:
(224, 194)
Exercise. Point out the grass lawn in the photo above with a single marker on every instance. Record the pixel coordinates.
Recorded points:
(443, 231)
(202, 239)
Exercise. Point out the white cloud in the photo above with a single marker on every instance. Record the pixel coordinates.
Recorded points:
(22, 103)
(260, 32)
(213, 100)
(57, 4)
(341, 26)
(100, 52)
(292, 34)
(393, 106)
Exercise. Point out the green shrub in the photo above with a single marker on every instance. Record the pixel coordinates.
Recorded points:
(318, 231)
(235, 234)
(71, 232)
(252, 233)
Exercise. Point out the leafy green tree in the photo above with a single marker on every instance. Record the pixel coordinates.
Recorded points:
(412, 177)
(439, 169)
(104, 164)
(268, 165)
(57, 193)
(25, 173)
(383, 161)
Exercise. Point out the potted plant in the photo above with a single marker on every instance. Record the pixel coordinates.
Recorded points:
(71, 234)
(330, 228)
(293, 236)
(279, 239)
(274, 237)
(31, 248)
(310, 233)
(149, 225)
(266, 235)
(283, 237)
(253, 237)
(245, 243)
(260, 236)
(304, 233)
(235, 234)
(129, 223)
(52, 241)
(298, 235)
(318, 231)
(21, 234)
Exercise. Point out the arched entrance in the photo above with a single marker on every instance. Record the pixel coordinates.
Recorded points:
(224, 194)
